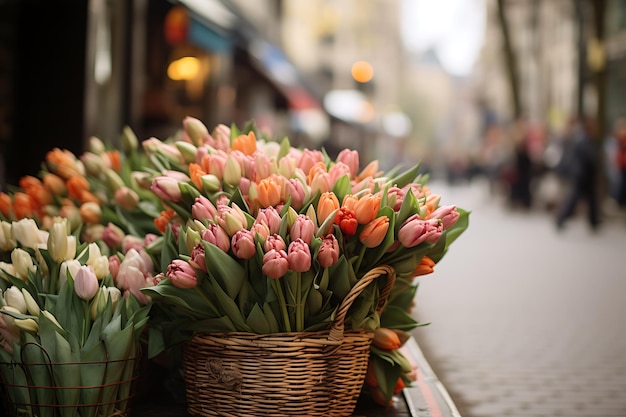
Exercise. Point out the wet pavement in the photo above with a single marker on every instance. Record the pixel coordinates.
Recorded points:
(527, 321)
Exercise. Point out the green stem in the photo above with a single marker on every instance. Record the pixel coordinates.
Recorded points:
(359, 260)
(281, 302)
(299, 307)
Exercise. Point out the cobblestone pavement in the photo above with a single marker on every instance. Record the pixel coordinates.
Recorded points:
(525, 320)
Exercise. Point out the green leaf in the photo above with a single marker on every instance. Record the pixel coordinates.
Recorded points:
(408, 208)
(227, 271)
(342, 187)
(285, 147)
(168, 250)
(271, 318)
(406, 177)
(228, 305)
(92, 372)
(257, 322)
(394, 317)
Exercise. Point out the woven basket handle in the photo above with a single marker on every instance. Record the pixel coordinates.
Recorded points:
(336, 331)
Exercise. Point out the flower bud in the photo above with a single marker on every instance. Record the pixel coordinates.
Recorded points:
(52, 318)
(7, 241)
(126, 198)
(194, 131)
(7, 269)
(181, 274)
(327, 204)
(299, 256)
(113, 179)
(27, 325)
(275, 242)
(57, 240)
(22, 262)
(210, 183)
(100, 266)
(275, 264)
(187, 151)
(90, 212)
(167, 189)
(386, 339)
(70, 266)
(232, 171)
(113, 236)
(86, 283)
(374, 232)
(94, 164)
(192, 238)
(242, 244)
(328, 253)
(13, 297)
(448, 215)
(129, 140)
(31, 305)
(27, 233)
(302, 228)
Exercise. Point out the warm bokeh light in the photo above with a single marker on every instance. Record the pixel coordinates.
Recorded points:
(362, 71)
(186, 68)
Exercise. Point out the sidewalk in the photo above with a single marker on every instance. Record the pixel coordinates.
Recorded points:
(527, 321)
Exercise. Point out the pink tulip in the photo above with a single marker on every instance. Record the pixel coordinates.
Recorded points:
(338, 170)
(351, 159)
(217, 236)
(198, 257)
(166, 188)
(299, 256)
(114, 265)
(126, 198)
(321, 182)
(242, 244)
(395, 197)
(261, 229)
(149, 238)
(221, 137)
(374, 232)
(86, 283)
(132, 242)
(181, 274)
(274, 242)
(275, 264)
(113, 236)
(302, 228)
(448, 215)
(415, 231)
(270, 217)
(295, 190)
(329, 251)
(308, 159)
(203, 209)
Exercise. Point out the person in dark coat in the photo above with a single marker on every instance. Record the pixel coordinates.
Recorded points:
(581, 165)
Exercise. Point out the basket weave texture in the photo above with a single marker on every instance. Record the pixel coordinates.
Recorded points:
(282, 374)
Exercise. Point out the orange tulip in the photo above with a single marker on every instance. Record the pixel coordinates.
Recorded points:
(86, 197)
(54, 183)
(162, 221)
(366, 208)
(115, 160)
(400, 385)
(63, 163)
(6, 204)
(245, 143)
(371, 170)
(90, 212)
(426, 266)
(317, 169)
(386, 339)
(76, 185)
(36, 190)
(268, 190)
(328, 203)
(374, 232)
(24, 205)
(196, 172)
(346, 219)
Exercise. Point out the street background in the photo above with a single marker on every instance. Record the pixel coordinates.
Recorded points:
(526, 320)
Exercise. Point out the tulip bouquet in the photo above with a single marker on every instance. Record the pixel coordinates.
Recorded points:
(69, 337)
(263, 237)
(96, 191)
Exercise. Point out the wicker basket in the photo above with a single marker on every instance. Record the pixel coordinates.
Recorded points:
(23, 396)
(285, 374)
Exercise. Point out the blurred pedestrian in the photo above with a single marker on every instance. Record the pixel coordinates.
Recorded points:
(580, 165)
(620, 160)
(522, 167)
